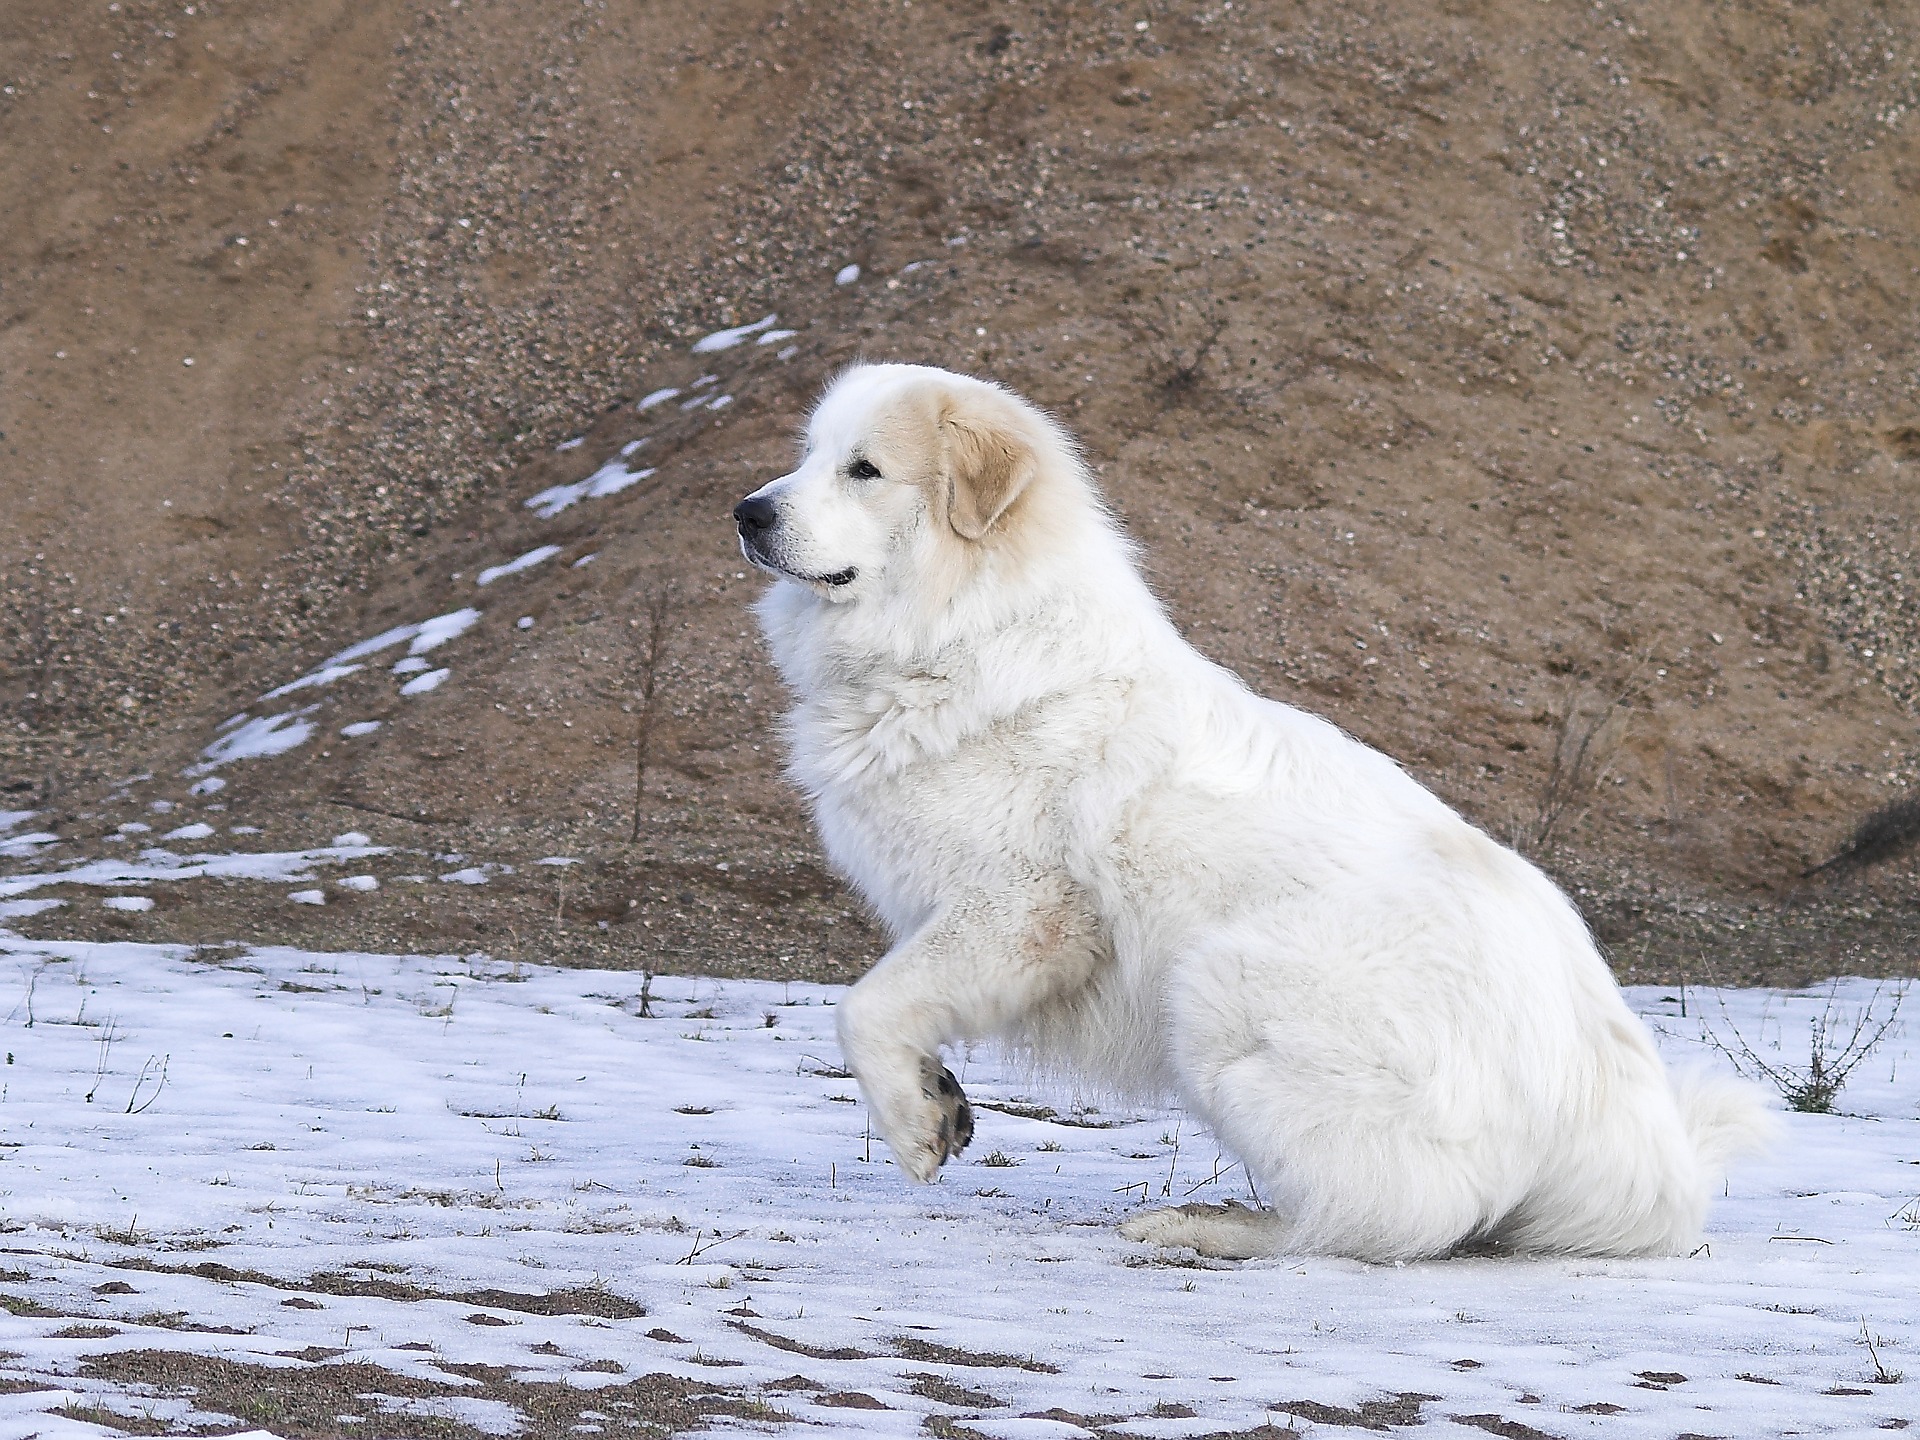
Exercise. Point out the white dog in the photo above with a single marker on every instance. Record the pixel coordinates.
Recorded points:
(1088, 840)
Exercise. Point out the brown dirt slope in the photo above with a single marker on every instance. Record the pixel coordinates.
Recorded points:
(1530, 388)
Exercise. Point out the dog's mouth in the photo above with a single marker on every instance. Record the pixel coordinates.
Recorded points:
(761, 560)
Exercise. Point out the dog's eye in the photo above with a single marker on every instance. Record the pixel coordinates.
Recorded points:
(863, 469)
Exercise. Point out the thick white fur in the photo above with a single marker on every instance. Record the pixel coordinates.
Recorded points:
(1087, 839)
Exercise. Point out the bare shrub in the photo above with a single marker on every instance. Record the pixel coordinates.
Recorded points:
(1178, 339)
(1836, 1046)
(1592, 725)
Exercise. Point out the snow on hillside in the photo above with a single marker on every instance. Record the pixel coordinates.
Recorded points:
(412, 1162)
(246, 736)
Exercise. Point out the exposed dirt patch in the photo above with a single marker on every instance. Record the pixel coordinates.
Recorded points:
(937, 1387)
(311, 1400)
(1472, 374)
(1390, 1412)
(603, 1304)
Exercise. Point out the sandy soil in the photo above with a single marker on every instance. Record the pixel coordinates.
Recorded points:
(1490, 377)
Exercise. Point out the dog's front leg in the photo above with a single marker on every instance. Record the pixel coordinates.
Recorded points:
(972, 971)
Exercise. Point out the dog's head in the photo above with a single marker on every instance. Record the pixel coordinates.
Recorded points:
(907, 472)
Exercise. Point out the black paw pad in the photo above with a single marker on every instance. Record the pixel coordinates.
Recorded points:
(956, 1115)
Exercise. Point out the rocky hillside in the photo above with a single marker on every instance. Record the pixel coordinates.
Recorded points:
(1531, 388)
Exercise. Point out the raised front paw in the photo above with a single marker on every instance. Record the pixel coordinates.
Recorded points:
(934, 1123)
(954, 1130)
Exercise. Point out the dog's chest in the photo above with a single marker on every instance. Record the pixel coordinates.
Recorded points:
(918, 788)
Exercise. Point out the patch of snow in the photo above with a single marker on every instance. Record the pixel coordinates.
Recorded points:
(610, 479)
(788, 352)
(727, 339)
(704, 381)
(657, 397)
(128, 902)
(489, 1417)
(308, 897)
(441, 628)
(421, 684)
(12, 909)
(352, 837)
(362, 883)
(584, 560)
(359, 728)
(374, 645)
(212, 785)
(161, 807)
(720, 402)
(28, 844)
(258, 738)
(409, 665)
(557, 860)
(134, 827)
(525, 622)
(846, 275)
(633, 445)
(425, 635)
(226, 724)
(11, 818)
(573, 444)
(325, 676)
(515, 566)
(472, 875)
(398, 1112)
(154, 863)
(199, 830)
(244, 830)
(774, 337)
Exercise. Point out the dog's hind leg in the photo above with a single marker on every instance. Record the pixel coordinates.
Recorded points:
(1225, 1232)
(1374, 1134)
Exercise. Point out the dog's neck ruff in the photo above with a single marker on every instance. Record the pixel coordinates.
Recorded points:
(887, 681)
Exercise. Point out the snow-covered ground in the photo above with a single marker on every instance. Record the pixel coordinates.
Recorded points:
(353, 1150)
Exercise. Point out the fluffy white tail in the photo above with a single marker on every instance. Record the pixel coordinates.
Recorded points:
(1725, 1118)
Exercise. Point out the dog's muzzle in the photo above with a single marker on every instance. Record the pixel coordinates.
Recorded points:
(757, 516)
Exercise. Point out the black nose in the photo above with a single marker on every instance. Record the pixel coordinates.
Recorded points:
(755, 514)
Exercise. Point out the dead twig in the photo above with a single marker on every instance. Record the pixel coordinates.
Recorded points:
(108, 1034)
(422, 818)
(1881, 1374)
(700, 1247)
(135, 1105)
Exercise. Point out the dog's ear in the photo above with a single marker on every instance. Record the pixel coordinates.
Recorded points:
(988, 462)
